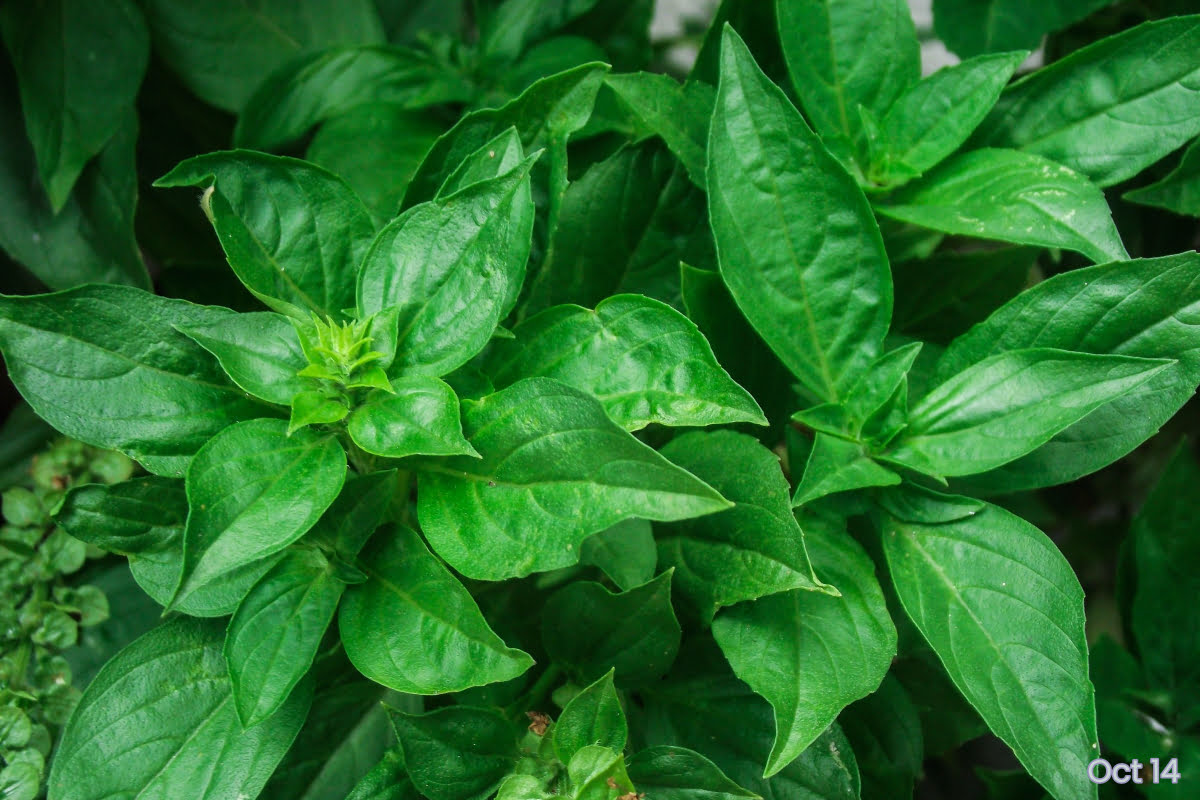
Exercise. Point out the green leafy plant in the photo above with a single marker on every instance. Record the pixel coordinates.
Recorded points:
(532, 423)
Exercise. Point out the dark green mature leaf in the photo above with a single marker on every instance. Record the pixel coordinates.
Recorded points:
(516, 24)
(456, 753)
(435, 640)
(593, 717)
(846, 54)
(166, 700)
(157, 572)
(1179, 191)
(885, 730)
(933, 117)
(555, 469)
(808, 653)
(1012, 403)
(259, 351)
(971, 27)
(222, 50)
(590, 630)
(79, 66)
(1110, 110)
(642, 359)
(420, 417)
(676, 773)
(387, 780)
(911, 502)
(377, 148)
(1148, 308)
(1166, 554)
(104, 364)
(1003, 610)
(797, 242)
(252, 491)
(363, 504)
(625, 553)
(624, 226)
(326, 84)
(126, 518)
(755, 548)
(679, 114)
(276, 630)
(306, 265)
(451, 265)
(1014, 197)
(545, 114)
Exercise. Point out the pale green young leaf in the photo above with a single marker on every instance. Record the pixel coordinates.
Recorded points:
(307, 265)
(593, 717)
(598, 773)
(839, 465)
(314, 408)
(679, 114)
(105, 365)
(78, 67)
(453, 267)
(259, 351)
(625, 553)
(755, 548)
(1111, 109)
(166, 699)
(493, 159)
(456, 753)
(1002, 608)
(252, 491)
(933, 117)
(643, 360)
(811, 654)
(797, 243)
(436, 640)
(589, 630)
(676, 773)
(1005, 406)
(846, 54)
(1179, 190)
(1011, 196)
(419, 417)
(555, 469)
(276, 630)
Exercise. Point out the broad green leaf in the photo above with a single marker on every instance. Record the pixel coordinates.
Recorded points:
(797, 242)
(105, 365)
(1147, 308)
(376, 148)
(545, 114)
(676, 773)
(811, 654)
(1014, 197)
(590, 630)
(1166, 555)
(1012, 403)
(259, 351)
(972, 27)
(1179, 191)
(555, 469)
(1003, 610)
(625, 553)
(451, 265)
(126, 518)
(519, 786)
(420, 417)
(435, 640)
(315, 408)
(493, 159)
(78, 66)
(755, 548)
(158, 721)
(293, 233)
(593, 717)
(224, 49)
(276, 630)
(387, 780)
(456, 753)
(1111, 109)
(624, 226)
(157, 573)
(516, 24)
(326, 84)
(839, 465)
(911, 502)
(846, 54)
(679, 114)
(933, 117)
(363, 504)
(885, 731)
(643, 360)
(252, 491)
(598, 773)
